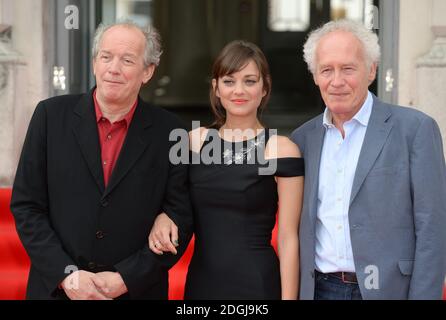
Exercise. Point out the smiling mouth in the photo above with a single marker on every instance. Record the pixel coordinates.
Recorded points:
(239, 101)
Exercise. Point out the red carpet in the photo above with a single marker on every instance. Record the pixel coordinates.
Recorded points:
(14, 262)
(177, 274)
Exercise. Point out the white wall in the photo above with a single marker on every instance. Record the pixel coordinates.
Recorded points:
(416, 39)
(28, 39)
(422, 58)
(28, 82)
(5, 11)
(431, 71)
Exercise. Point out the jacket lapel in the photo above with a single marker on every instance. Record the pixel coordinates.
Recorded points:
(139, 136)
(86, 134)
(314, 146)
(376, 135)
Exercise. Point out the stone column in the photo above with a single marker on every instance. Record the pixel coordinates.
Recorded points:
(431, 71)
(13, 115)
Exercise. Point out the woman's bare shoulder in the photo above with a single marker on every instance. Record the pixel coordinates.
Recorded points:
(281, 147)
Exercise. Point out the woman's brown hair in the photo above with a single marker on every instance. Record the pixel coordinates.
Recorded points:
(234, 57)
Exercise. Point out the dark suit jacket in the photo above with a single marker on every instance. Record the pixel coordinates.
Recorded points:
(67, 219)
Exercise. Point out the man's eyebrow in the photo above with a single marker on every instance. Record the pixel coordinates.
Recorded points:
(127, 54)
(131, 55)
(349, 65)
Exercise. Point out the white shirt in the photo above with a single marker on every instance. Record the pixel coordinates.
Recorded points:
(336, 173)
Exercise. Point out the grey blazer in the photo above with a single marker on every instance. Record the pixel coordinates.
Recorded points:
(397, 209)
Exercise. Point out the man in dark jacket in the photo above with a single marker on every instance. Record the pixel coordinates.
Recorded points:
(93, 175)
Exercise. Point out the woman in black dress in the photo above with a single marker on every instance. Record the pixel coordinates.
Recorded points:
(245, 175)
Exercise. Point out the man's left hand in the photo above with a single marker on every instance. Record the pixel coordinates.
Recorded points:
(112, 284)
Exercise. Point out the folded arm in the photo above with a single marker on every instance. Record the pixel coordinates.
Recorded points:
(145, 267)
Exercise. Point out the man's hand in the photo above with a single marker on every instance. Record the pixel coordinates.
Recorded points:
(83, 285)
(110, 284)
(164, 235)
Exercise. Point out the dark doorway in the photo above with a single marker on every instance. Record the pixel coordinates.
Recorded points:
(194, 31)
(294, 99)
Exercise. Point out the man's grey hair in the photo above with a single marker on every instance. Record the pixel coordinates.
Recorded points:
(152, 50)
(367, 37)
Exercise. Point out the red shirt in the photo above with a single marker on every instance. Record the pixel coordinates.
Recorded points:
(111, 137)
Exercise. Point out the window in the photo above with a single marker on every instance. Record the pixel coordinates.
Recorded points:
(288, 15)
(357, 10)
(139, 11)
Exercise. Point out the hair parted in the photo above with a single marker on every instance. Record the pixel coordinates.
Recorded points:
(232, 58)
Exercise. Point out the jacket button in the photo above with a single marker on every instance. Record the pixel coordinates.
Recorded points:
(104, 203)
(99, 235)
(91, 265)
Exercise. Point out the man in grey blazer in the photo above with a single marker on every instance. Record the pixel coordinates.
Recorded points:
(373, 224)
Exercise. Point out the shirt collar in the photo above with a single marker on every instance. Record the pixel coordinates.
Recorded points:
(99, 116)
(362, 116)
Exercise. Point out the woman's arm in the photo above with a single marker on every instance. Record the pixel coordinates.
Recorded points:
(163, 236)
(290, 191)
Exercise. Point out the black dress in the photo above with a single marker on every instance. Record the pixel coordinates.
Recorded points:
(235, 213)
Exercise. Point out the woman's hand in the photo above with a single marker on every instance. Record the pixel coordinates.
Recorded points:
(164, 235)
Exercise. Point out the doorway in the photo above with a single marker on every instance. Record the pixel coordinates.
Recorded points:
(194, 31)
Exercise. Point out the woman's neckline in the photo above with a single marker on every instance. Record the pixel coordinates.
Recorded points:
(262, 131)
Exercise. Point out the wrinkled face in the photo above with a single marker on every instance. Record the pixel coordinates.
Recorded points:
(119, 66)
(342, 74)
(241, 92)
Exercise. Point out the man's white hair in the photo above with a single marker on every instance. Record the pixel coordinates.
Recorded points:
(367, 37)
(152, 48)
